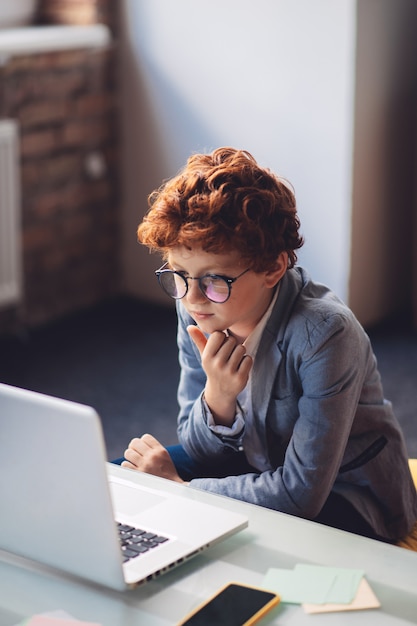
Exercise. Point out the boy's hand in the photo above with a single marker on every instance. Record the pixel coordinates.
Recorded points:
(146, 454)
(227, 367)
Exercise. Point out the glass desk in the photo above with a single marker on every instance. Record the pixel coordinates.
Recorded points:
(271, 540)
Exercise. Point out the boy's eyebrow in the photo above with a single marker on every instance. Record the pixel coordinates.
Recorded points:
(176, 268)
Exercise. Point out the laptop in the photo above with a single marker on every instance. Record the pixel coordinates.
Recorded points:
(61, 507)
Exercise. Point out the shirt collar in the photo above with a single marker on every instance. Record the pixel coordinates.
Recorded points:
(251, 342)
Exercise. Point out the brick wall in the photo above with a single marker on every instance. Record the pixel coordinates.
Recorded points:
(65, 103)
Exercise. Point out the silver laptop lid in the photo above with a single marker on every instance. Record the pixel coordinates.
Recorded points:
(43, 517)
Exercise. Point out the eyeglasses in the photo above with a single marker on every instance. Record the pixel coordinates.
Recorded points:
(214, 287)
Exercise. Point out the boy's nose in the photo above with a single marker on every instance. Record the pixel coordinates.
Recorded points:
(194, 293)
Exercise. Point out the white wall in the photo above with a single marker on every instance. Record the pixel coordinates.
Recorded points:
(275, 77)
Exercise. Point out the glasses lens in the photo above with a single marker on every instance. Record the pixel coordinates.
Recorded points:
(173, 284)
(216, 289)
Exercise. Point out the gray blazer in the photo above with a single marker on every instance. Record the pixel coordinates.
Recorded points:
(320, 413)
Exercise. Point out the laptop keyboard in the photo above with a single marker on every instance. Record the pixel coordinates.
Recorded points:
(135, 541)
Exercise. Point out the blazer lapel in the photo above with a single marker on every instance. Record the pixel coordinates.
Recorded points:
(269, 354)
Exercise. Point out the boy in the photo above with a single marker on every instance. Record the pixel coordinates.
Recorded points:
(281, 403)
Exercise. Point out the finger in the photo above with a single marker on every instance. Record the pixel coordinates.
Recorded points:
(140, 445)
(237, 354)
(136, 444)
(128, 465)
(150, 441)
(225, 346)
(131, 459)
(218, 339)
(132, 456)
(198, 337)
(245, 365)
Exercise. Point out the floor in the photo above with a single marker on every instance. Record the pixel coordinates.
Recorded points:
(121, 358)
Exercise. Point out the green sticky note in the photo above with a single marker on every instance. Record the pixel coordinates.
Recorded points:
(298, 586)
(345, 584)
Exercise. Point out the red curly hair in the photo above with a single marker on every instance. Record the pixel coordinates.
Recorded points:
(224, 201)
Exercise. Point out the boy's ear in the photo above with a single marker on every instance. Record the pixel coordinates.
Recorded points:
(273, 276)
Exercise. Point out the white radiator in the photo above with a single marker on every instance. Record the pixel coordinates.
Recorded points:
(10, 227)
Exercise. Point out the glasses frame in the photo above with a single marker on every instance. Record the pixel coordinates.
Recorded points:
(229, 282)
